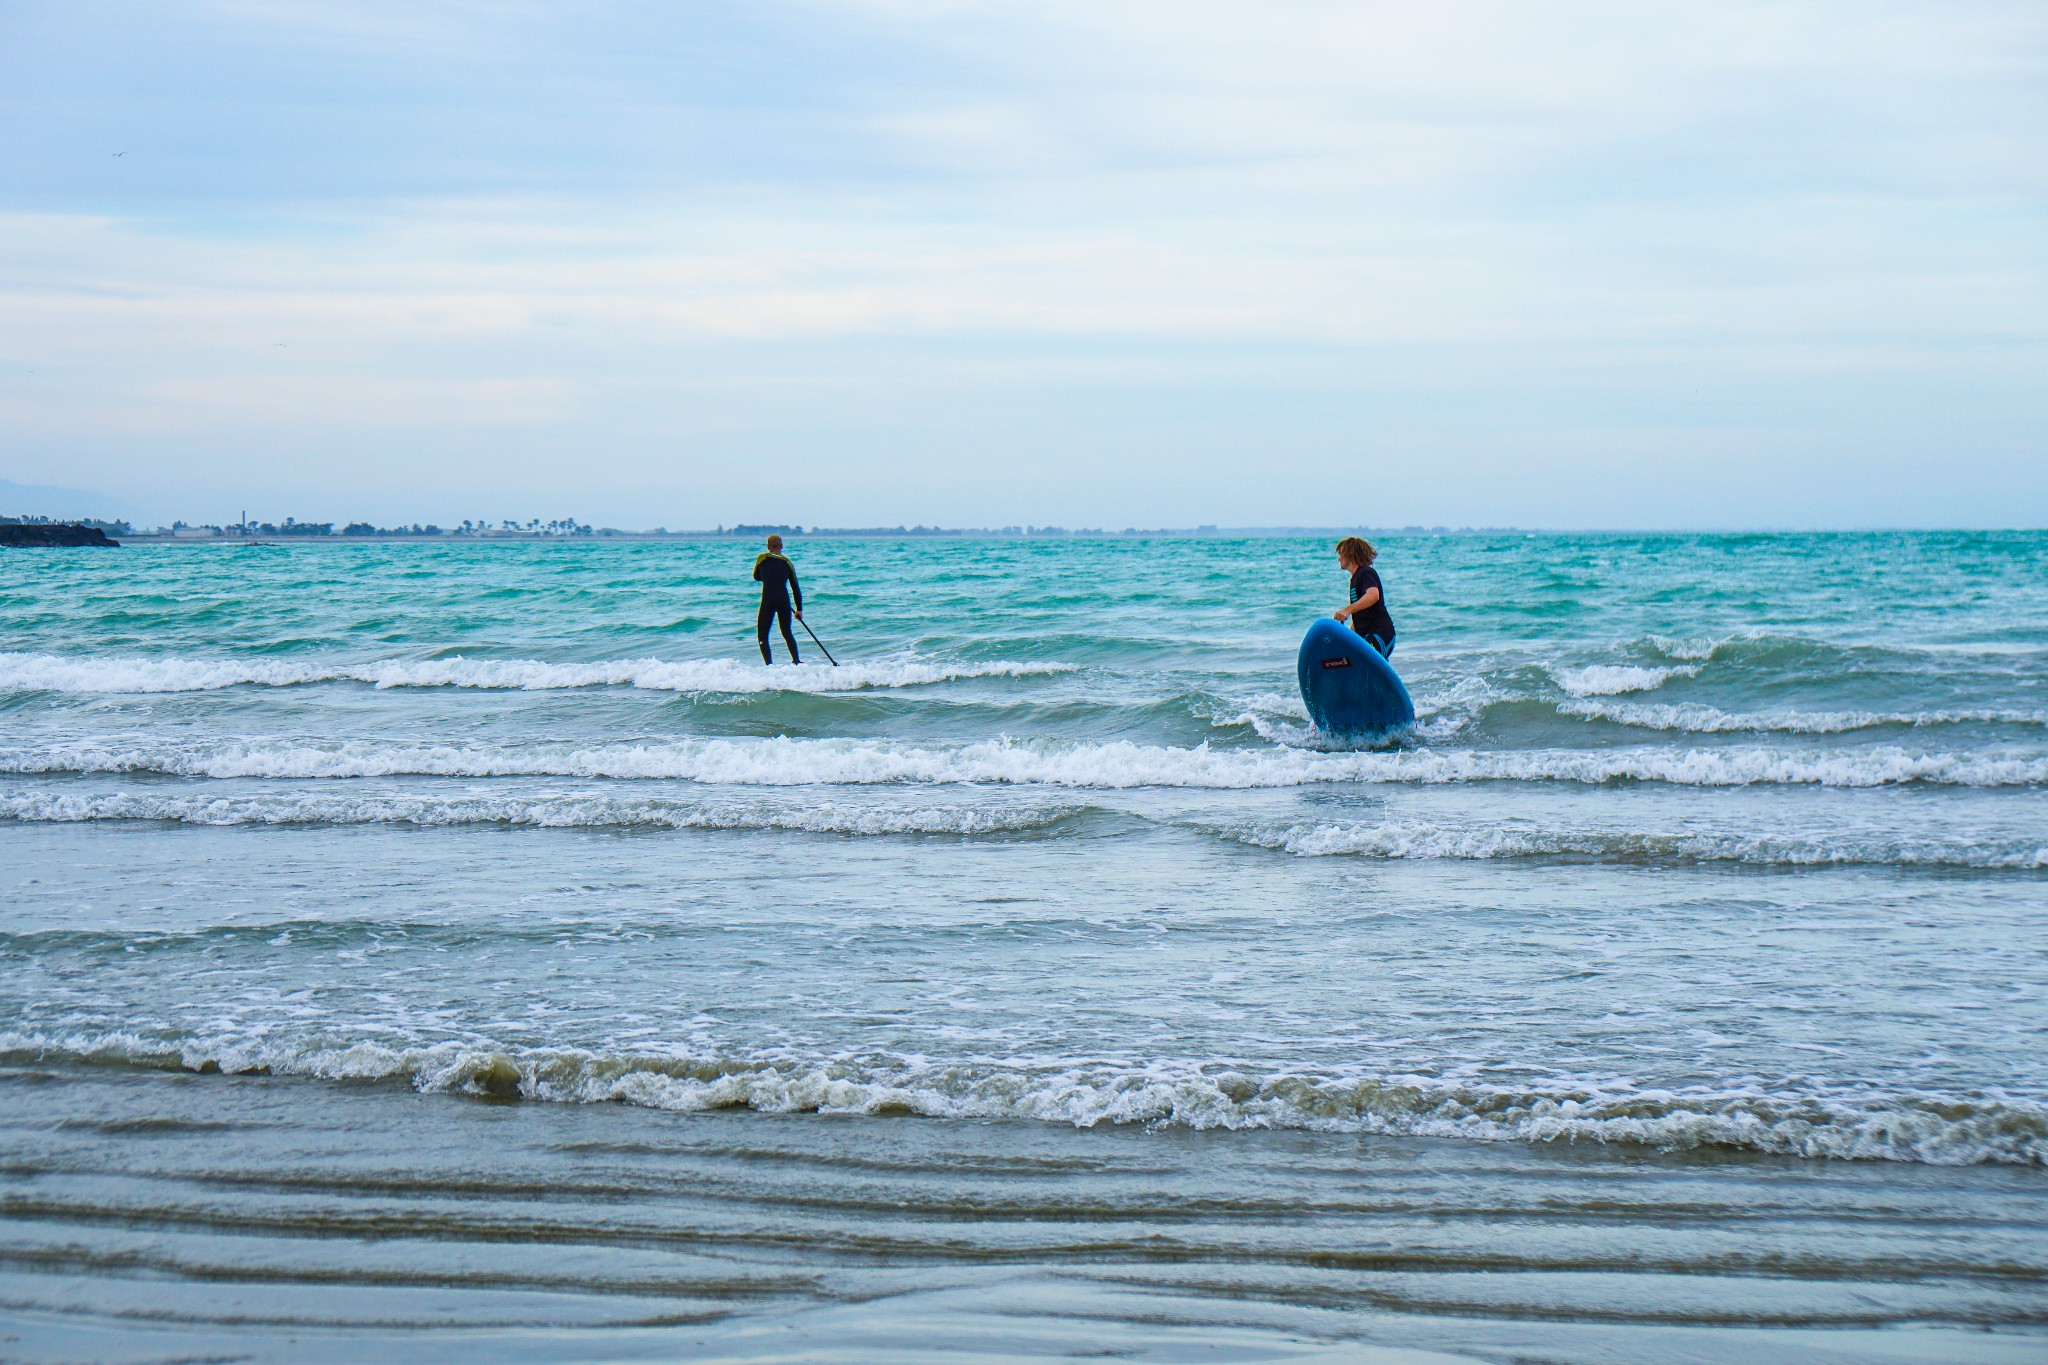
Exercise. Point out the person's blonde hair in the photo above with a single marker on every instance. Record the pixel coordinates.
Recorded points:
(1359, 554)
(774, 544)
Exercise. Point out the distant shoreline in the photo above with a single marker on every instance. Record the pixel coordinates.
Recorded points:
(649, 538)
(749, 537)
(1224, 533)
(234, 536)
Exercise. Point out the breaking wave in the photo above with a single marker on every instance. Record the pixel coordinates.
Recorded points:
(544, 812)
(1394, 839)
(1605, 680)
(53, 673)
(1422, 840)
(1694, 718)
(781, 762)
(1959, 1129)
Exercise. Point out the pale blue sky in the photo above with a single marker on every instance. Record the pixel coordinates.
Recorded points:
(859, 261)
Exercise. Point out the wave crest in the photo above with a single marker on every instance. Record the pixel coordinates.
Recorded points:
(1696, 718)
(785, 762)
(543, 812)
(137, 674)
(1422, 840)
(1844, 1125)
(1606, 680)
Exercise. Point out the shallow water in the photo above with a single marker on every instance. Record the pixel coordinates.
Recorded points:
(1721, 850)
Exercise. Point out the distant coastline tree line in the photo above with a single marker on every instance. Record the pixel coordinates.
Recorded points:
(112, 528)
(570, 527)
(536, 528)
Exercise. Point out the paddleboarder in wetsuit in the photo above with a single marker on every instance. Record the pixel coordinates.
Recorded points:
(777, 577)
(1368, 610)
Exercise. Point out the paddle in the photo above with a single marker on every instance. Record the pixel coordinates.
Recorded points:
(816, 641)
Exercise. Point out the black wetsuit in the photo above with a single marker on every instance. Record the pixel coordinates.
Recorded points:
(1373, 622)
(777, 577)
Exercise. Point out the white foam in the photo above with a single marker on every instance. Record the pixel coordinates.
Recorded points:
(1823, 1123)
(1690, 649)
(548, 812)
(1399, 839)
(782, 762)
(1273, 718)
(1396, 839)
(137, 674)
(1279, 717)
(1606, 680)
(1287, 704)
(1694, 718)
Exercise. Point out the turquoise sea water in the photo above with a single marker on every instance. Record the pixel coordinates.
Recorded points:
(1715, 859)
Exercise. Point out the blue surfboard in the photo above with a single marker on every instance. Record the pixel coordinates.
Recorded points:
(1348, 688)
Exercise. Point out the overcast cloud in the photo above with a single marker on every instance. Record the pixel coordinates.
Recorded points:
(1572, 264)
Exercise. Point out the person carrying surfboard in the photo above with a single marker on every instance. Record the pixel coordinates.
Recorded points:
(777, 577)
(1367, 612)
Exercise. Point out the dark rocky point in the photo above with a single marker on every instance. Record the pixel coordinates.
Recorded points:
(52, 534)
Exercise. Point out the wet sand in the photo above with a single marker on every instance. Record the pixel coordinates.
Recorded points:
(153, 1216)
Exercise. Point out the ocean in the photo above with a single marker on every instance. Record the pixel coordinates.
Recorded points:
(470, 951)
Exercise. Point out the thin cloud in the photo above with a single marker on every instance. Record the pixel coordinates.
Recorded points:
(763, 234)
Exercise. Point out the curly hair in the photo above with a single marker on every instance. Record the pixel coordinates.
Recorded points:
(1357, 553)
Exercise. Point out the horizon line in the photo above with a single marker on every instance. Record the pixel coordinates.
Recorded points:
(566, 529)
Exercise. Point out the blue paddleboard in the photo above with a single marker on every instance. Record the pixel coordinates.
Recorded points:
(1348, 687)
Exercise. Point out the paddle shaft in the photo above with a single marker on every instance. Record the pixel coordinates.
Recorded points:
(816, 641)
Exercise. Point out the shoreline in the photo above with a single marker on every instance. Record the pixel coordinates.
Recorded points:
(353, 1214)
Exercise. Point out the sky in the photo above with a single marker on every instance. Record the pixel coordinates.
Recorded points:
(1118, 263)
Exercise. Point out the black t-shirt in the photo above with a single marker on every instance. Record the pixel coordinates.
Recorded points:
(1372, 620)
